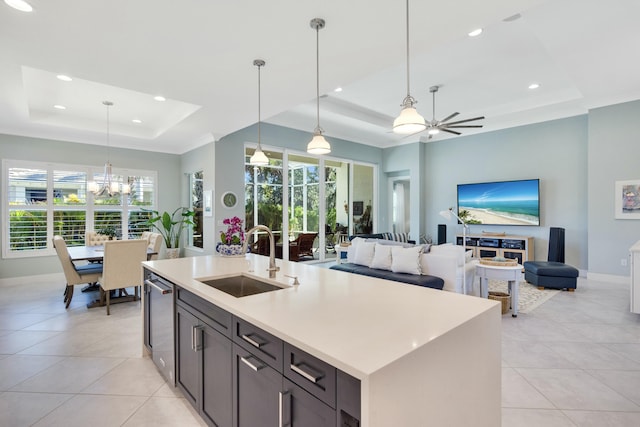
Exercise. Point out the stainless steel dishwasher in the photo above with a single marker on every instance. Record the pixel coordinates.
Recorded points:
(159, 321)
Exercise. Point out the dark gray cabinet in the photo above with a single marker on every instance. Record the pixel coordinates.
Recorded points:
(204, 364)
(237, 374)
(256, 391)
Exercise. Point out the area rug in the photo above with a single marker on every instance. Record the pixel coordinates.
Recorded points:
(529, 296)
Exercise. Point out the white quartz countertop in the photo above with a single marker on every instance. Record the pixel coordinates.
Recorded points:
(358, 324)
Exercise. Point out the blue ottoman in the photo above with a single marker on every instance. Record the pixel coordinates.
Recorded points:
(549, 274)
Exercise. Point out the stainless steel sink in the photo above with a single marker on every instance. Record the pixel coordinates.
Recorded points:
(240, 286)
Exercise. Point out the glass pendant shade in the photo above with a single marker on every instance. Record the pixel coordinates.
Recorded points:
(259, 158)
(109, 187)
(318, 145)
(409, 121)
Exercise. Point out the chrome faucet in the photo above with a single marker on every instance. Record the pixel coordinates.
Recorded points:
(272, 248)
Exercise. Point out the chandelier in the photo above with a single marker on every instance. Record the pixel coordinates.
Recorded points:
(108, 187)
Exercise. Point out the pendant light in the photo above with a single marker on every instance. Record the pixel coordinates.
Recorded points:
(259, 158)
(409, 121)
(318, 145)
(109, 187)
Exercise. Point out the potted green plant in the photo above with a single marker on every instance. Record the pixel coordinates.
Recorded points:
(170, 227)
(108, 230)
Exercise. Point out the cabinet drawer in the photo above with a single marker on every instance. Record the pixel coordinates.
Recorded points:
(264, 345)
(310, 373)
(217, 318)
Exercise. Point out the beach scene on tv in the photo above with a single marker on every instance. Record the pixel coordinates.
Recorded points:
(500, 203)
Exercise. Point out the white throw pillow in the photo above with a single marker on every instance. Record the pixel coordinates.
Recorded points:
(381, 257)
(450, 249)
(351, 250)
(406, 260)
(364, 253)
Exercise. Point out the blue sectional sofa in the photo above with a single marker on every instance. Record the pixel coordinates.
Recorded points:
(413, 279)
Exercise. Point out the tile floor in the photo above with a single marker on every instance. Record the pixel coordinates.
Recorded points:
(573, 361)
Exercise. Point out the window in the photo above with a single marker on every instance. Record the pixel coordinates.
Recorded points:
(196, 181)
(44, 200)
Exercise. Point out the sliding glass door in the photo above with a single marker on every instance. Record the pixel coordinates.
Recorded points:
(329, 197)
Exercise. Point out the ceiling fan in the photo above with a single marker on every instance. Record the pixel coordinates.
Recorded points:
(435, 126)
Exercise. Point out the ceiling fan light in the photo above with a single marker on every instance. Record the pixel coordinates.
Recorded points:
(20, 5)
(434, 131)
(409, 121)
(259, 158)
(318, 145)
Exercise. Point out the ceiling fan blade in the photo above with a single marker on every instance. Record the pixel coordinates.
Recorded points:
(464, 126)
(466, 120)
(450, 131)
(451, 116)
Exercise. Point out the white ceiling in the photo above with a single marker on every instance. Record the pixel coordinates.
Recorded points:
(199, 55)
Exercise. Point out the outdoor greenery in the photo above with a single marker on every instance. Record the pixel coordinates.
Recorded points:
(304, 184)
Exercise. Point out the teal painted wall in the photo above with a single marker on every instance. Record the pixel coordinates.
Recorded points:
(614, 155)
(43, 150)
(554, 151)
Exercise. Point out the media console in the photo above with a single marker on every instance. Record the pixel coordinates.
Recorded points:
(507, 246)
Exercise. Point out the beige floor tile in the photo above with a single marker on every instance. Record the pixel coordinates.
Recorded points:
(165, 411)
(518, 393)
(133, 377)
(93, 411)
(600, 419)
(534, 418)
(576, 389)
(67, 343)
(17, 368)
(524, 354)
(71, 375)
(627, 383)
(21, 340)
(24, 409)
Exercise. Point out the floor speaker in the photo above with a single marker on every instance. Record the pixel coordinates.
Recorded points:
(442, 234)
(556, 244)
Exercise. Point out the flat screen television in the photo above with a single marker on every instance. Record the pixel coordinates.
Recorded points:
(500, 203)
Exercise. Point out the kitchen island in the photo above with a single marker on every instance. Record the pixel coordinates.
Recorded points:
(422, 356)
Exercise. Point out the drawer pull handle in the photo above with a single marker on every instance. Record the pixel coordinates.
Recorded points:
(251, 341)
(251, 365)
(313, 378)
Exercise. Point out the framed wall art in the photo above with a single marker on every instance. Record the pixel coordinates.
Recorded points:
(627, 199)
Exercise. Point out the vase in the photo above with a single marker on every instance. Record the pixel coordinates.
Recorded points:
(172, 253)
(229, 250)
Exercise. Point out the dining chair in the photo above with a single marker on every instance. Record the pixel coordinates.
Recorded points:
(74, 274)
(93, 238)
(122, 268)
(154, 245)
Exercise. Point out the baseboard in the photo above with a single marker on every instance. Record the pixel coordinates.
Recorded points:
(610, 278)
(27, 280)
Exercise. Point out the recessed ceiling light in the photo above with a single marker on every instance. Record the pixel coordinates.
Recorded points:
(20, 5)
(534, 86)
(338, 89)
(64, 78)
(512, 18)
(160, 98)
(475, 32)
(59, 107)
(136, 121)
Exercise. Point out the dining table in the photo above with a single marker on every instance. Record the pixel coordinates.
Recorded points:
(96, 254)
